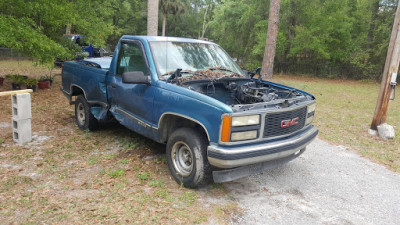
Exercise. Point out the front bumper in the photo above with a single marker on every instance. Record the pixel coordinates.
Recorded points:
(237, 156)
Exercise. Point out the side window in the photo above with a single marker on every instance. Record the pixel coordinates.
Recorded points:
(131, 59)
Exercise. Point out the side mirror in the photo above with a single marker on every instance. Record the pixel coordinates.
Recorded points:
(136, 77)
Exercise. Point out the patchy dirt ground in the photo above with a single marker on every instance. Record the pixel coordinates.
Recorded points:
(66, 175)
(69, 176)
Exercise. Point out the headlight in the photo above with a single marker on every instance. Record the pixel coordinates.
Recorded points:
(246, 135)
(310, 113)
(309, 120)
(311, 108)
(239, 121)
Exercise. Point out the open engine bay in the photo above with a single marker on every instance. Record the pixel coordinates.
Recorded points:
(239, 92)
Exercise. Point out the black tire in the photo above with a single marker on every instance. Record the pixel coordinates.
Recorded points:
(84, 118)
(187, 143)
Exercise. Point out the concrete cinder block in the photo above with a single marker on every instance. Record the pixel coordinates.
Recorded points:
(386, 131)
(21, 106)
(22, 131)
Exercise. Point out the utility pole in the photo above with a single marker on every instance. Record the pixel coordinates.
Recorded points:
(391, 67)
(267, 68)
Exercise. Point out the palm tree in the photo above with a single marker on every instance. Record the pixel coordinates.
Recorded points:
(152, 17)
(173, 6)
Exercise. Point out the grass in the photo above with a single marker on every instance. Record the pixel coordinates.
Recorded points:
(25, 67)
(144, 176)
(129, 144)
(92, 160)
(14, 181)
(66, 171)
(344, 114)
(116, 173)
(124, 161)
(156, 183)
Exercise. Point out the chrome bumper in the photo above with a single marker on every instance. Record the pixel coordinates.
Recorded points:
(230, 156)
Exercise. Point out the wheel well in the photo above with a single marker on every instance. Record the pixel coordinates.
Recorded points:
(75, 91)
(170, 123)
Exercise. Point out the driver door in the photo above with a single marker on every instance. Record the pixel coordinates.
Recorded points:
(132, 103)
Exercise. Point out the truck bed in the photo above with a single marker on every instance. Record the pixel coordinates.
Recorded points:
(87, 76)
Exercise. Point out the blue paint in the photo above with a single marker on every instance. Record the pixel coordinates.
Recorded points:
(140, 107)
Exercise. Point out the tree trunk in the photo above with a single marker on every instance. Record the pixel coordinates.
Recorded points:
(267, 69)
(204, 23)
(374, 16)
(164, 23)
(196, 10)
(152, 17)
(68, 28)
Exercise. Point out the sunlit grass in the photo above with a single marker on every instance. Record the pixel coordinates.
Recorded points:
(26, 68)
(344, 114)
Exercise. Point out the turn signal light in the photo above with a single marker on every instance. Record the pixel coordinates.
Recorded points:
(226, 129)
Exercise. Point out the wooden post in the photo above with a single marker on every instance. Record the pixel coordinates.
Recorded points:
(391, 66)
(267, 68)
(7, 93)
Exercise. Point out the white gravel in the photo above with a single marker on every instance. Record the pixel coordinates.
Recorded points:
(326, 185)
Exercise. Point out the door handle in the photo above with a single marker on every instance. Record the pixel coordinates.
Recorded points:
(113, 86)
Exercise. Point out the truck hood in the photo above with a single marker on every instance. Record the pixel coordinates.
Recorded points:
(244, 94)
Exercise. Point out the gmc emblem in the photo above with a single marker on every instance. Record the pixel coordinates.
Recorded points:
(288, 123)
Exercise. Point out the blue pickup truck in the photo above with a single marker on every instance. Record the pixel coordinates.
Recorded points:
(219, 123)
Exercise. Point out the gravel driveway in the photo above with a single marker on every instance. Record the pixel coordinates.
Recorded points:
(326, 185)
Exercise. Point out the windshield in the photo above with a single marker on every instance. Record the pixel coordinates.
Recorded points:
(169, 56)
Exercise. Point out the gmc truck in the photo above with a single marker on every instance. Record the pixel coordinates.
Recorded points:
(219, 123)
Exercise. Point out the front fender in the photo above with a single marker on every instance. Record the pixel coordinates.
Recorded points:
(188, 105)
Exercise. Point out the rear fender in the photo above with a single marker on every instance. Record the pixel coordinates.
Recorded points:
(98, 109)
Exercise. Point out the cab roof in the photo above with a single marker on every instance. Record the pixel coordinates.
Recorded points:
(160, 38)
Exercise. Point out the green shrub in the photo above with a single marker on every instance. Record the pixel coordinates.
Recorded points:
(16, 79)
(30, 82)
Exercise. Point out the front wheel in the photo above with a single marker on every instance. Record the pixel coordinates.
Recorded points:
(84, 118)
(187, 157)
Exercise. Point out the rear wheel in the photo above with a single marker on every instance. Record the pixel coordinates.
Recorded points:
(84, 118)
(187, 157)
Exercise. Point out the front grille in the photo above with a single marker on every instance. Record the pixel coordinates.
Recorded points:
(273, 122)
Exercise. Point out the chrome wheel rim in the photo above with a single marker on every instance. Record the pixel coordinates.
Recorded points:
(182, 158)
(80, 113)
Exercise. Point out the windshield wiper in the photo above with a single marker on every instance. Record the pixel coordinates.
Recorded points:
(220, 68)
(174, 75)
